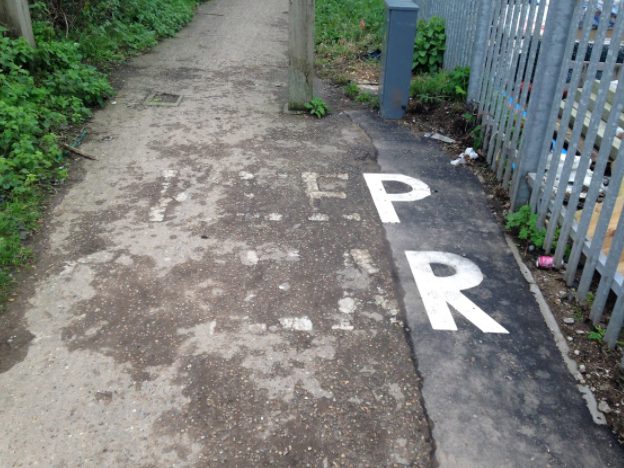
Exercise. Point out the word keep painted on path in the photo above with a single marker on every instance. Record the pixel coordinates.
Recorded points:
(438, 293)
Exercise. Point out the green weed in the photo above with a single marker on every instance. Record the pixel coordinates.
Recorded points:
(317, 107)
(351, 90)
(524, 223)
(597, 334)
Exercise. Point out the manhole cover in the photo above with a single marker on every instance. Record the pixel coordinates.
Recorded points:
(163, 99)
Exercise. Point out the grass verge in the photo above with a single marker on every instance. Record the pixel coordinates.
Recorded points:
(347, 31)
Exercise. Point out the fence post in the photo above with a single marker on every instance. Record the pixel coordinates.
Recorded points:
(300, 53)
(484, 23)
(15, 15)
(535, 140)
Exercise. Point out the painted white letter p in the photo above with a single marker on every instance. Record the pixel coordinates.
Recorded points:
(440, 292)
(383, 200)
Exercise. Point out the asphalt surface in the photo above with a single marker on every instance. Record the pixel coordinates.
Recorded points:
(218, 289)
(494, 399)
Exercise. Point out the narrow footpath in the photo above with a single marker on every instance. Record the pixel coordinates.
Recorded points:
(230, 285)
(215, 289)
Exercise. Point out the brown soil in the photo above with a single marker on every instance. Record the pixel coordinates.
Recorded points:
(344, 70)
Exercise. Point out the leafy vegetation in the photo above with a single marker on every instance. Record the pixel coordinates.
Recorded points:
(317, 107)
(524, 223)
(429, 46)
(597, 334)
(48, 90)
(109, 31)
(351, 90)
(434, 88)
(349, 33)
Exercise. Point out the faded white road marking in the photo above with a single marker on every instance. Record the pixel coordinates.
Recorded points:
(364, 261)
(201, 331)
(344, 325)
(347, 305)
(312, 186)
(440, 292)
(244, 175)
(157, 213)
(296, 323)
(249, 258)
(257, 328)
(274, 217)
(352, 217)
(384, 200)
(391, 307)
(319, 217)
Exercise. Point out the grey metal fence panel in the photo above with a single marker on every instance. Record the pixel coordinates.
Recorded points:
(574, 145)
(461, 28)
(550, 173)
(547, 81)
(482, 27)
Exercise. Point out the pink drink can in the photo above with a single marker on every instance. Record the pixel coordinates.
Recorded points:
(545, 262)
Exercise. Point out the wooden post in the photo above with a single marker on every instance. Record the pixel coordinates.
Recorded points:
(15, 16)
(300, 54)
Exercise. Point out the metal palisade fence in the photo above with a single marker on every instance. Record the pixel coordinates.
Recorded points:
(461, 27)
(546, 80)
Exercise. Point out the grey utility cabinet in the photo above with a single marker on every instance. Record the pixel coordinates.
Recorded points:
(396, 71)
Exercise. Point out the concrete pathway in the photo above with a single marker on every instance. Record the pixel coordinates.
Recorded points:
(215, 289)
(218, 289)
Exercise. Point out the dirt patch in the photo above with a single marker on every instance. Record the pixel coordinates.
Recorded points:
(354, 67)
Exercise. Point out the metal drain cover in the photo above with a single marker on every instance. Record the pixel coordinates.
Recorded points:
(163, 99)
